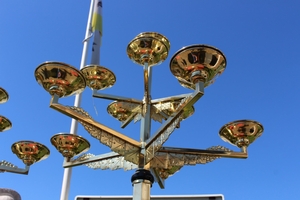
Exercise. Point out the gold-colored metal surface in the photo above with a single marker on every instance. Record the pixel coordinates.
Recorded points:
(70, 145)
(5, 124)
(30, 152)
(121, 110)
(206, 60)
(170, 107)
(60, 78)
(115, 140)
(98, 77)
(148, 47)
(3, 96)
(241, 133)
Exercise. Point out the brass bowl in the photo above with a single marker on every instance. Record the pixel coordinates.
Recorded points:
(148, 47)
(98, 77)
(121, 110)
(241, 133)
(5, 124)
(3, 96)
(60, 79)
(70, 145)
(30, 152)
(207, 60)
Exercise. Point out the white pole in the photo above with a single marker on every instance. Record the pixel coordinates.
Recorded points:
(73, 130)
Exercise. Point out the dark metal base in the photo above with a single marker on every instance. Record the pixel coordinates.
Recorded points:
(142, 174)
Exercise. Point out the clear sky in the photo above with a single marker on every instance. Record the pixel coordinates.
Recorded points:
(260, 40)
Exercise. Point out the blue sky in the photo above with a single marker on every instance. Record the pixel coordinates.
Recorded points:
(260, 40)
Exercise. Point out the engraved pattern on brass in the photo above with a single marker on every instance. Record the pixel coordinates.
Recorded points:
(5, 124)
(166, 164)
(70, 145)
(123, 110)
(129, 151)
(164, 136)
(170, 107)
(3, 96)
(209, 61)
(80, 111)
(60, 78)
(118, 142)
(98, 77)
(157, 144)
(241, 132)
(112, 163)
(148, 47)
(30, 152)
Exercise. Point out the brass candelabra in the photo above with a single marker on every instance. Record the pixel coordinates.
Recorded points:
(195, 67)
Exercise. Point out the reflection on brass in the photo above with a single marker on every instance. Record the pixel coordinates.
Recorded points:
(30, 152)
(5, 124)
(70, 145)
(241, 133)
(170, 107)
(117, 141)
(98, 77)
(197, 62)
(186, 84)
(148, 47)
(121, 110)
(60, 78)
(3, 96)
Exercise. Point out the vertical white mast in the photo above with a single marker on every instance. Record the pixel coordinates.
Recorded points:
(73, 130)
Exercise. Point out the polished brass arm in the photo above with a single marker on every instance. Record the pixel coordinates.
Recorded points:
(89, 158)
(171, 98)
(223, 152)
(114, 97)
(117, 142)
(77, 116)
(154, 143)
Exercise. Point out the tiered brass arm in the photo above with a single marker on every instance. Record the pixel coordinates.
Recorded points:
(8, 167)
(207, 152)
(166, 162)
(154, 143)
(117, 142)
(171, 98)
(90, 158)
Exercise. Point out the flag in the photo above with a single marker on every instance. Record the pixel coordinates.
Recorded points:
(97, 31)
(97, 17)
